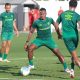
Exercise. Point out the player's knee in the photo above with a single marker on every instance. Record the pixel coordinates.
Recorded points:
(3, 45)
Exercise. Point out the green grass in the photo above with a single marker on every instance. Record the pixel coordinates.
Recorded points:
(47, 65)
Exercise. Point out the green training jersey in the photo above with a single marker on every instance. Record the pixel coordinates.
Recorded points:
(43, 27)
(7, 19)
(69, 21)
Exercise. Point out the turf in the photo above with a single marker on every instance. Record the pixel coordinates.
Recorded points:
(47, 65)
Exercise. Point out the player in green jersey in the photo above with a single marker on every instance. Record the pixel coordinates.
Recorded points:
(44, 38)
(8, 25)
(69, 21)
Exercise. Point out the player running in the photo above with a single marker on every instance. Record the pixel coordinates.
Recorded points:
(44, 38)
(8, 24)
(69, 21)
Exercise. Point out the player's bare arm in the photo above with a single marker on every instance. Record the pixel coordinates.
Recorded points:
(57, 30)
(15, 28)
(29, 37)
(79, 24)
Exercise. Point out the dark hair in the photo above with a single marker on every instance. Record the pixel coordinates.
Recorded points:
(73, 3)
(7, 4)
(41, 9)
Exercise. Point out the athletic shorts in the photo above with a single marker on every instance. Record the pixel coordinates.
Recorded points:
(71, 43)
(50, 43)
(5, 36)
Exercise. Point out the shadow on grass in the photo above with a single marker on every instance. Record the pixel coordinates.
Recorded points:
(63, 78)
(16, 74)
(5, 67)
(40, 75)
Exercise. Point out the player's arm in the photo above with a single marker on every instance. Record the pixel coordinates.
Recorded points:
(56, 25)
(29, 38)
(58, 21)
(15, 28)
(78, 21)
(30, 34)
(34, 26)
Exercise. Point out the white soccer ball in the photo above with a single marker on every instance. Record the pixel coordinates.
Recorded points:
(25, 71)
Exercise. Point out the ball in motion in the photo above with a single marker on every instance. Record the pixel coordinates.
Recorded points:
(25, 71)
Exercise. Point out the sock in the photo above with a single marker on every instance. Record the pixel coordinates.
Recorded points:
(1, 55)
(72, 66)
(5, 56)
(65, 65)
(31, 62)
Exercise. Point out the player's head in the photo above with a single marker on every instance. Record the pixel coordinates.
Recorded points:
(7, 7)
(73, 3)
(42, 13)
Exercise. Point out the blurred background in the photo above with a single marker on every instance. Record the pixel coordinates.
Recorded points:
(26, 10)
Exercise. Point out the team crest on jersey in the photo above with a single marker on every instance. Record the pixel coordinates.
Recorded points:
(6, 16)
(11, 15)
(40, 25)
(48, 23)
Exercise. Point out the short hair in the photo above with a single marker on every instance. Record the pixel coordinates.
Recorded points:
(7, 4)
(41, 9)
(73, 3)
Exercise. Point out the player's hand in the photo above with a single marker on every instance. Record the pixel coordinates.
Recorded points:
(26, 46)
(17, 33)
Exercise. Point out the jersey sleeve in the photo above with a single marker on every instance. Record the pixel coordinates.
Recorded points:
(34, 25)
(14, 17)
(59, 19)
(78, 18)
(52, 21)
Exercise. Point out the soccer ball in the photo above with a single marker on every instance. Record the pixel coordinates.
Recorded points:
(25, 71)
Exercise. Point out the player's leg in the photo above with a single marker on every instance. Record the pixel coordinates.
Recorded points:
(71, 45)
(32, 47)
(61, 59)
(3, 47)
(72, 63)
(35, 44)
(8, 45)
(54, 48)
(75, 57)
(75, 60)
(7, 49)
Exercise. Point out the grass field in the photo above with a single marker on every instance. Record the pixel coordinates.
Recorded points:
(47, 65)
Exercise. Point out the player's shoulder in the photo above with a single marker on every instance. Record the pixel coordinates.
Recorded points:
(2, 13)
(49, 18)
(11, 13)
(67, 11)
(38, 20)
(76, 13)
(64, 12)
